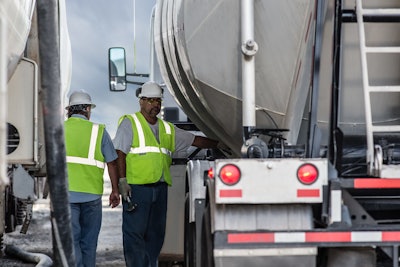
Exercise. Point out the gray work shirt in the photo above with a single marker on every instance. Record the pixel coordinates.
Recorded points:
(124, 136)
(109, 154)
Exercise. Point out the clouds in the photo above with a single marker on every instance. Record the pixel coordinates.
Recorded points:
(95, 26)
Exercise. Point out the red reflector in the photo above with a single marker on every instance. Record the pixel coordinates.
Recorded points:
(308, 193)
(230, 193)
(307, 174)
(229, 174)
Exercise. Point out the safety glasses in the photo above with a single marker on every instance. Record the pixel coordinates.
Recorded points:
(152, 100)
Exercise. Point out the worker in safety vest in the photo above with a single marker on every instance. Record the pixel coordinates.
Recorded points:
(144, 145)
(89, 148)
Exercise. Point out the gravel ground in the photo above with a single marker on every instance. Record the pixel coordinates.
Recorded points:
(38, 239)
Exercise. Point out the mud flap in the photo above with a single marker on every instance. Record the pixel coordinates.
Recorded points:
(351, 257)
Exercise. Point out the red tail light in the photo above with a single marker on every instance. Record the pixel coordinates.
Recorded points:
(307, 174)
(229, 174)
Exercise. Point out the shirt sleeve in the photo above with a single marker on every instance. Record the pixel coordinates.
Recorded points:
(124, 136)
(107, 148)
(183, 139)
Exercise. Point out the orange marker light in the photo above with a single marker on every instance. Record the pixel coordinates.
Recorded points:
(210, 173)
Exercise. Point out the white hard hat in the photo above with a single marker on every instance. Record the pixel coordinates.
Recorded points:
(80, 98)
(150, 89)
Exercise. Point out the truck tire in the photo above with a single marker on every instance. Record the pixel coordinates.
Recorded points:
(207, 247)
(189, 237)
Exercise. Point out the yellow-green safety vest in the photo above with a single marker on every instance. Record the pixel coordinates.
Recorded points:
(148, 160)
(85, 161)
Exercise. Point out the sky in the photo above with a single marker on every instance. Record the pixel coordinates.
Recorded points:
(94, 26)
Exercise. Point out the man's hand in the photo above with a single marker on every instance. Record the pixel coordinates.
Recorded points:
(114, 199)
(124, 188)
(125, 191)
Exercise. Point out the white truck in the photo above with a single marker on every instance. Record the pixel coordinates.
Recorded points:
(306, 94)
(35, 68)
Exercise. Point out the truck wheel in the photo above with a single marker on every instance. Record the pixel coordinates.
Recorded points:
(207, 248)
(189, 237)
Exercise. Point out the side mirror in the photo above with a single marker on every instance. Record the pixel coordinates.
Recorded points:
(117, 69)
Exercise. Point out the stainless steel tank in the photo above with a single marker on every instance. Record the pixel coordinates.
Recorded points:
(198, 48)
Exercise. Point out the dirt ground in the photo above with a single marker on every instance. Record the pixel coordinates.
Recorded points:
(38, 239)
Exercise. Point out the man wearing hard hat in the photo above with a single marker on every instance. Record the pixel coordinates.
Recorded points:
(144, 145)
(88, 148)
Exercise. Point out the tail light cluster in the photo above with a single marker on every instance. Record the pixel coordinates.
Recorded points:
(230, 174)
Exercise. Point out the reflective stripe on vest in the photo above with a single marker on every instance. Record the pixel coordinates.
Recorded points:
(142, 149)
(90, 160)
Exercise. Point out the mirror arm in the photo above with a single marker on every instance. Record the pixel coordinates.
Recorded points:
(138, 74)
(132, 82)
(141, 75)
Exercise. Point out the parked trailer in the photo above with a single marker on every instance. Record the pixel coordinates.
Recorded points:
(35, 67)
(305, 94)
(312, 113)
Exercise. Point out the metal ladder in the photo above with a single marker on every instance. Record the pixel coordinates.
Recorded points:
(374, 152)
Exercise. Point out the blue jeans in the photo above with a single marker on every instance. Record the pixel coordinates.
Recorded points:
(144, 228)
(86, 223)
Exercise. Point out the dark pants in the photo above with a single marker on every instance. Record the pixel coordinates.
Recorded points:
(144, 228)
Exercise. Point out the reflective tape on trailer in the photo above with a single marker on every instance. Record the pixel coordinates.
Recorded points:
(301, 193)
(374, 183)
(313, 237)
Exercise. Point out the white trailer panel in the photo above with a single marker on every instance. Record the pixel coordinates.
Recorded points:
(270, 181)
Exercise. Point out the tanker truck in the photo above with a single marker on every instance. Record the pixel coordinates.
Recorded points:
(35, 70)
(306, 95)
